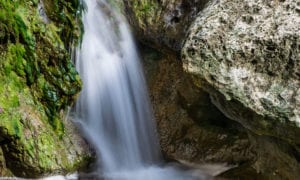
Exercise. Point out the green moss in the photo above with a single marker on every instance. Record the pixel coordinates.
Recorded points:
(144, 8)
(22, 58)
(65, 15)
(15, 54)
(12, 18)
(37, 81)
(10, 89)
(144, 12)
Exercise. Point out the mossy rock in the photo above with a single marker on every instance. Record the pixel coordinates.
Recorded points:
(37, 82)
(162, 24)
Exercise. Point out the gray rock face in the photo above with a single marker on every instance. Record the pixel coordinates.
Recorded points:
(162, 23)
(247, 55)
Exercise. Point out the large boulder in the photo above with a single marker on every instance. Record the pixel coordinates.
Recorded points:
(162, 24)
(37, 82)
(246, 54)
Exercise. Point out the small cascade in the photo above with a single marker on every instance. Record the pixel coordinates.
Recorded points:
(113, 107)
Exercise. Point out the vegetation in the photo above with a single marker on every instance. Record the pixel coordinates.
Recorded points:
(37, 81)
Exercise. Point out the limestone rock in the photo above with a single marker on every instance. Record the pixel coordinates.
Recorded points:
(246, 54)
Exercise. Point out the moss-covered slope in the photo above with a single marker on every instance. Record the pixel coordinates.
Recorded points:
(37, 81)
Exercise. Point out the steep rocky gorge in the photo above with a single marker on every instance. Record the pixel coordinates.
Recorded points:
(232, 96)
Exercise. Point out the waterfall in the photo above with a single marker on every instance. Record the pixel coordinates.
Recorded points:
(113, 107)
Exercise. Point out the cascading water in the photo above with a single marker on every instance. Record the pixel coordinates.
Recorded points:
(113, 107)
(113, 103)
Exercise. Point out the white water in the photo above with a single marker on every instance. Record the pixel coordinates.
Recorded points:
(113, 107)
